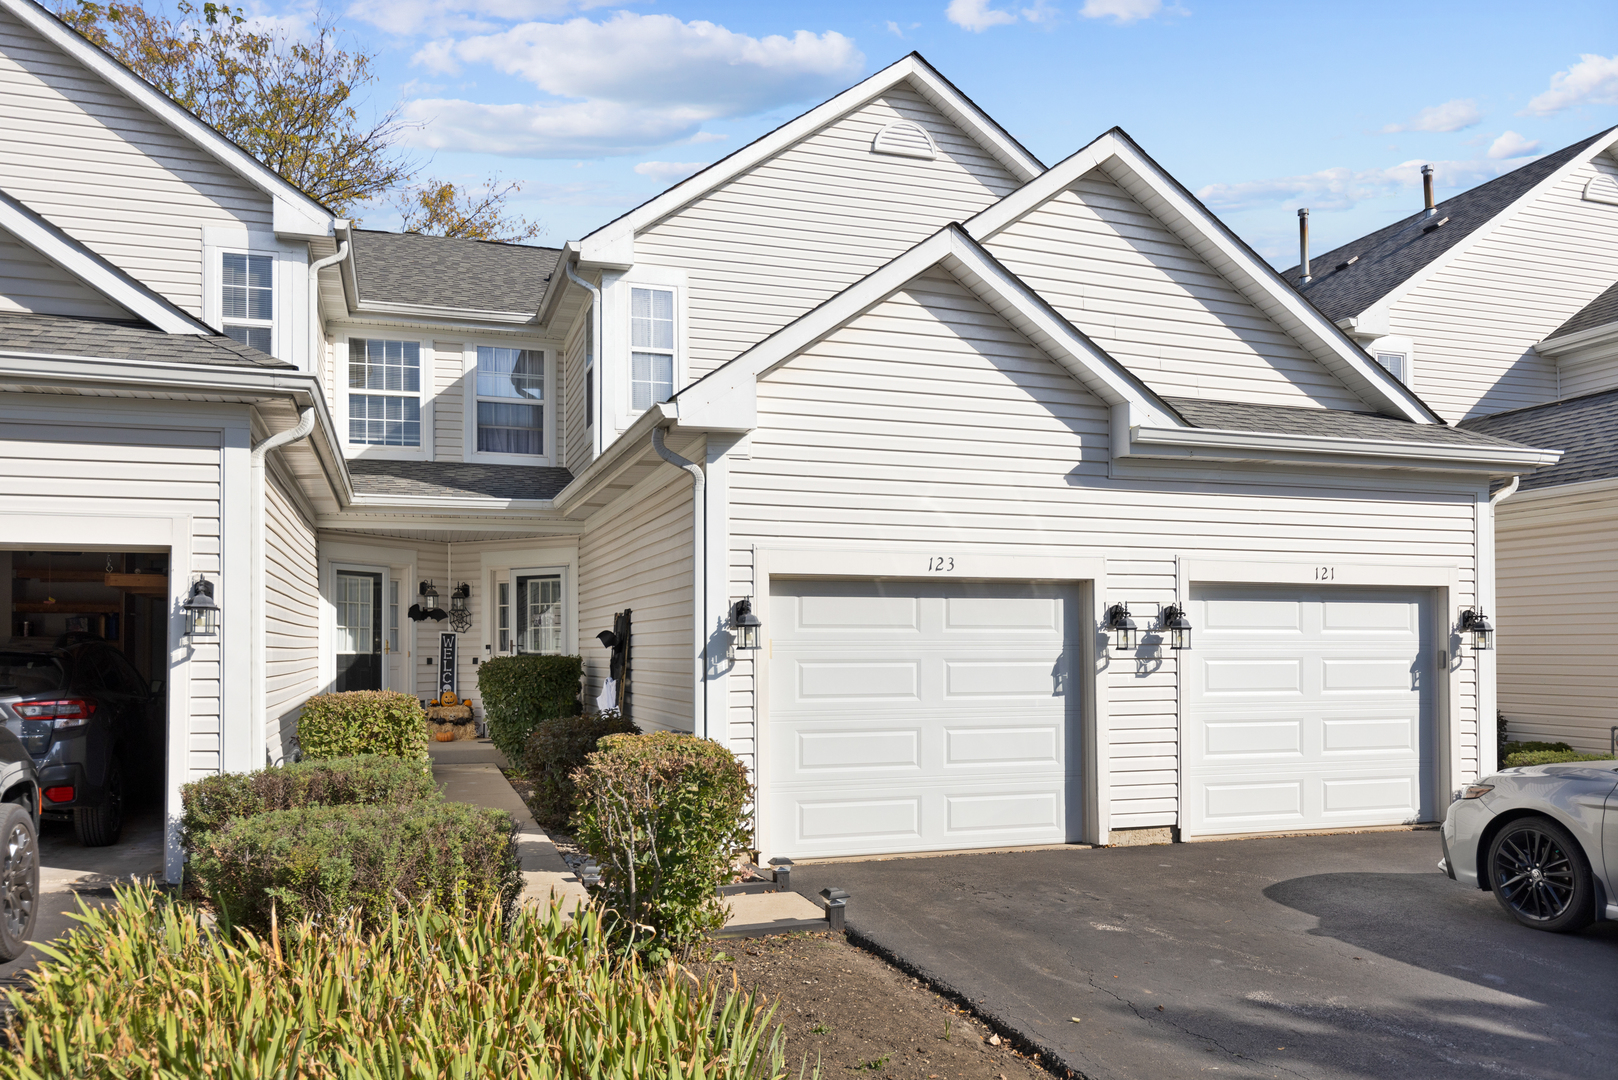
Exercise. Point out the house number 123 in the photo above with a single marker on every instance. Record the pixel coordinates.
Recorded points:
(941, 564)
(1325, 573)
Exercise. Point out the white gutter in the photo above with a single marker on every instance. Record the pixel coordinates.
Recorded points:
(1216, 443)
(259, 680)
(699, 565)
(595, 351)
(317, 336)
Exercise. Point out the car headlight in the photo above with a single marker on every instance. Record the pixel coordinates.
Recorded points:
(1477, 791)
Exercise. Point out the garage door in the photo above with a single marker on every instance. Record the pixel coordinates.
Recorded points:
(1308, 709)
(911, 716)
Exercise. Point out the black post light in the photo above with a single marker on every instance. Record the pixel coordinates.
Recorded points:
(1116, 621)
(1475, 625)
(746, 624)
(1178, 627)
(460, 616)
(201, 613)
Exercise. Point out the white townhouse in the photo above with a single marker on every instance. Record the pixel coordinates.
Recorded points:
(1499, 307)
(970, 502)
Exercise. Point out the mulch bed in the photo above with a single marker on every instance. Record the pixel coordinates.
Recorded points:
(853, 1013)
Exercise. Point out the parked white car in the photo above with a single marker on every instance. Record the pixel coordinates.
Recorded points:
(1543, 839)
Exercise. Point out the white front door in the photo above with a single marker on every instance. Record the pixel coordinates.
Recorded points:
(1307, 709)
(910, 716)
(529, 612)
(396, 635)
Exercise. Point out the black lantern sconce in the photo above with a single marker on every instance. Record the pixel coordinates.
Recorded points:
(1116, 621)
(1177, 626)
(1475, 625)
(460, 616)
(428, 607)
(201, 613)
(746, 624)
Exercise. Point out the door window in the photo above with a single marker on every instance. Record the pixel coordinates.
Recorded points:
(539, 613)
(358, 601)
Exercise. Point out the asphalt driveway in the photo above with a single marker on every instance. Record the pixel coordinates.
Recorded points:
(1322, 957)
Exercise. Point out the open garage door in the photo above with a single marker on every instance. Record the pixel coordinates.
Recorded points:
(914, 716)
(1308, 709)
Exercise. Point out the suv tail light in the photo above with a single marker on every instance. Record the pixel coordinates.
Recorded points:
(59, 794)
(66, 712)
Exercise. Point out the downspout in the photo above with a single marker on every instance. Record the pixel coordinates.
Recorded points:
(597, 437)
(317, 339)
(1506, 492)
(258, 747)
(699, 562)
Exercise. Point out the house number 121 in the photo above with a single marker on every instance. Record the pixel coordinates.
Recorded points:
(1325, 573)
(941, 564)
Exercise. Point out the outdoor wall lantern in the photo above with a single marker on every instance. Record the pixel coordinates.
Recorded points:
(460, 617)
(1475, 625)
(201, 613)
(1116, 621)
(746, 625)
(1178, 627)
(428, 608)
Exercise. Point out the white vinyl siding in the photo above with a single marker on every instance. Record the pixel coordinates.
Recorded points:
(928, 423)
(1591, 374)
(32, 283)
(110, 174)
(774, 242)
(573, 429)
(292, 596)
(640, 558)
(1476, 320)
(1557, 589)
(1119, 274)
(449, 408)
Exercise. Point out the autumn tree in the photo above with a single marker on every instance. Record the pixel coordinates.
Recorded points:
(440, 208)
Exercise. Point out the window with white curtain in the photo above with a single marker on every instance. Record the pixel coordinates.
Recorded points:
(247, 299)
(511, 401)
(384, 392)
(651, 341)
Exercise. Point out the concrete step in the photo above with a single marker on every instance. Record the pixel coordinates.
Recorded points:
(758, 914)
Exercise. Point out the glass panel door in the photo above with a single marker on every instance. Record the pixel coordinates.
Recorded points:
(539, 613)
(358, 599)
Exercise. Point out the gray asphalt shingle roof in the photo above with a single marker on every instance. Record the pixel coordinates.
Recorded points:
(437, 271)
(1385, 259)
(1584, 428)
(382, 476)
(1329, 423)
(1598, 312)
(65, 335)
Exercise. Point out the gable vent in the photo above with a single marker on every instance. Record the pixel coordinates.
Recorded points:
(1603, 188)
(906, 140)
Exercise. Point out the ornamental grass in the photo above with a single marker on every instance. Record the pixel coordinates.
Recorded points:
(148, 988)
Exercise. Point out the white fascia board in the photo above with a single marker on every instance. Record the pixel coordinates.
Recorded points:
(94, 271)
(634, 438)
(1379, 312)
(294, 213)
(1212, 443)
(1208, 236)
(459, 504)
(439, 314)
(613, 245)
(557, 286)
(1594, 337)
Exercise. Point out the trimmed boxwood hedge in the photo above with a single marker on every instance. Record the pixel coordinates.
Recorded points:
(330, 862)
(1548, 757)
(557, 747)
(520, 691)
(363, 722)
(372, 779)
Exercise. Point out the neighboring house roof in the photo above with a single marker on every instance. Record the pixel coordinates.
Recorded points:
(455, 479)
(1327, 423)
(65, 335)
(1389, 257)
(1584, 428)
(413, 270)
(1599, 312)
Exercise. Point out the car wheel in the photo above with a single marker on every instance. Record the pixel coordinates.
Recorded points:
(19, 880)
(1540, 875)
(98, 826)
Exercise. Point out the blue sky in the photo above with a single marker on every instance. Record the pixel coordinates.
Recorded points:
(1258, 107)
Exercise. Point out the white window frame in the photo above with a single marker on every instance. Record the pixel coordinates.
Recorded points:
(288, 307)
(341, 336)
(1392, 345)
(618, 311)
(469, 381)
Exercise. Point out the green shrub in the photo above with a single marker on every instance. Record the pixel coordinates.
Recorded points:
(1534, 748)
(363, 722)
(520, 691)
(557, 747)
(371, 779)
(1548, 757)
(327, 861)
(663, 814)
(144, 988)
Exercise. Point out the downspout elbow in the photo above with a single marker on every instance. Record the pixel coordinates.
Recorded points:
(316, 337)
(1506, 492)
(300, 430)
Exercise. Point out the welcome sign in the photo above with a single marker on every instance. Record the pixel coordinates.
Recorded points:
(446, 663)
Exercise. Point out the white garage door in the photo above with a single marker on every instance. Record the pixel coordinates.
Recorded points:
(909, 716)
(1308, 709)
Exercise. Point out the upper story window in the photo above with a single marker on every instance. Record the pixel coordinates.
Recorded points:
(651, 342)
(384, 392)
(247, 299)
(1396, 363)
(511, 401)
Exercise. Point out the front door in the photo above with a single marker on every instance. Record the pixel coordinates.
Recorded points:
(358, 599)
(539, 612)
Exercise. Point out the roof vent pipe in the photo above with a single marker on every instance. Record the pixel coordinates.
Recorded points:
(1303, 243)
(1427, 189)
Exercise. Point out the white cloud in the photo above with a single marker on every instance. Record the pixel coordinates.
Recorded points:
(1450, 116)
(668, 172)
(893, 28)
(412, 17)
(1121, 11)
(635, 82)
(1592, 81)
(1341, 187)
(976, 15)
(1512, 145)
